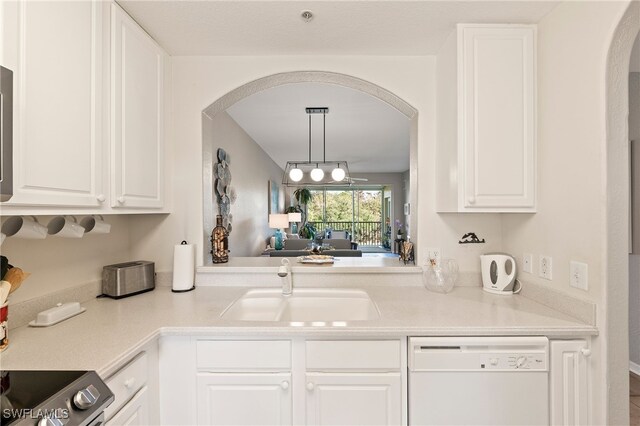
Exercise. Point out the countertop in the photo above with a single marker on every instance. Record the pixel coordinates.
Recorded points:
(111, 330)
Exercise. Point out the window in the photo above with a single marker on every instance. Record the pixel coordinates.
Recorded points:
(358, 210)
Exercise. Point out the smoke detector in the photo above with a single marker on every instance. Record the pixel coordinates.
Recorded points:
(306, 15)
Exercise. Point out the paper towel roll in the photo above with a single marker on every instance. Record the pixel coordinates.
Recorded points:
(184, 256)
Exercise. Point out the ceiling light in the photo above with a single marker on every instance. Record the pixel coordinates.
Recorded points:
(296, 174)
(338, 174)
(312, 173)
(317, 174)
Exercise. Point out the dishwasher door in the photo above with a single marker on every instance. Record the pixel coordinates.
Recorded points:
(478, 381)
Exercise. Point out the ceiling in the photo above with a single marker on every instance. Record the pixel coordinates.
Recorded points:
(368, 133)
(390, 27)
(361, 129)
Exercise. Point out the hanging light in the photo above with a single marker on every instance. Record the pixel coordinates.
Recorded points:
(338, 174)
(317, 174)
(308, 173)
(296, 174)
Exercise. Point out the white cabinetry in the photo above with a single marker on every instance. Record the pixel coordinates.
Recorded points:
(349, 398)
(137, 136)
(297, 381)
(89, 116)
(486, 104)
(244, 398)
(56, 53)
(353, 382)
(135, 412)
(243, 382)
(129, 388)
(569, 384)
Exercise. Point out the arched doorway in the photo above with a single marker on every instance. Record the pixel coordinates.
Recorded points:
(615, 256)
(300, 77)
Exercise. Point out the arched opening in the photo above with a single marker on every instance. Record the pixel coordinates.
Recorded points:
(265, 84)
(615, 255)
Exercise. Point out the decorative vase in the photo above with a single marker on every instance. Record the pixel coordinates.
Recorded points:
(220, 242)
(278, 242)
(440, 277)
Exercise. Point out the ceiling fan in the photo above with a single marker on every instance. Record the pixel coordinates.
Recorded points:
(351, 180)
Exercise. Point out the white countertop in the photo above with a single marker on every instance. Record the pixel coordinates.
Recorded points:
(111, 330)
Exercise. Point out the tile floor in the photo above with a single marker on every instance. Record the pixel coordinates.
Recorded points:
(634, 399)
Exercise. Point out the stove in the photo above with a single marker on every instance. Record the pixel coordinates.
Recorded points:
(53, 398)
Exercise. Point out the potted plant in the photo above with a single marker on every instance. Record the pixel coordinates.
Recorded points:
(303, 196)
(400, 233)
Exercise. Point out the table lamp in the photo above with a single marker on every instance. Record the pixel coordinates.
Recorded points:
(278, 222)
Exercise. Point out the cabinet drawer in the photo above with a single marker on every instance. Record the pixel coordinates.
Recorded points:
(353, 355)
(126, 382)
(253, 355)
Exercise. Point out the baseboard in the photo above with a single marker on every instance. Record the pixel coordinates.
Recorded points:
(634, 368)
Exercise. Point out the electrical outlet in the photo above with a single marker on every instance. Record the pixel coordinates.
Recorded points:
(527, 263)
(579, 275)
(546, 267)
(435, 254)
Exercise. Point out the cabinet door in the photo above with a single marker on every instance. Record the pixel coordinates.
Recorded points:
(364, 399)
(244, 398)
(135, 412)
(496, 116)
(55, 51)
(569, 382)
(137, 139)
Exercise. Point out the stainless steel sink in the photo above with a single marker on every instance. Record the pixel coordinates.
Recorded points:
(303, 305)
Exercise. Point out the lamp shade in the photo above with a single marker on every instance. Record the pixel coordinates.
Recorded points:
(295, 217)
(317, 174)
(277, 221)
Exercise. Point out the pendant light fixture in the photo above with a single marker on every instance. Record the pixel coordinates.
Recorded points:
(313, 173)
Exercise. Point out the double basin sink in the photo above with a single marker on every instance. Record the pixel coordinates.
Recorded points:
(303, 305)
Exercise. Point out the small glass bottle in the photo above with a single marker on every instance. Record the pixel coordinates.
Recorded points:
(220, 242)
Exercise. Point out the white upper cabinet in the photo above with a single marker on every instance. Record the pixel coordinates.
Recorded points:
(89, 95)
(486, 97)
(137, 114)
(56, 53)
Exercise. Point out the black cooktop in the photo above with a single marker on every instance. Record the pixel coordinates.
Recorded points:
(26, 396)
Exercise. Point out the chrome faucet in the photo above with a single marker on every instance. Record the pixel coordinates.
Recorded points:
(284, 272)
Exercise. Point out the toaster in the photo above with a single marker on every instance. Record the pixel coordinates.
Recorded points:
(126, 279)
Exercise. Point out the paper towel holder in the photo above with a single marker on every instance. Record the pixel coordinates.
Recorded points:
(184, 242)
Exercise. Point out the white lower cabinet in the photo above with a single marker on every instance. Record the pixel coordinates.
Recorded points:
(135, 412)
(244, 399)
(353, 399)
(282, 382)
(569, 382)
(135, 386)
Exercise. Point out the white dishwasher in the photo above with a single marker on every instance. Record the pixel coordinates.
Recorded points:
(478, 381)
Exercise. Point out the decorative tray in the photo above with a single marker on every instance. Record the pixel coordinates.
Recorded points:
(316, 258)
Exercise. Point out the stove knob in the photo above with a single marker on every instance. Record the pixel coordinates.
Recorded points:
(521, 361)
(51, 421)
(86, 398)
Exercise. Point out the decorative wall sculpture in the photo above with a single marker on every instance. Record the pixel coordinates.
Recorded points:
(225, 195)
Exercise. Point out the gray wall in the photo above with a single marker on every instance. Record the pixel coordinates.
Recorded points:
(251, 170)
(634, 259)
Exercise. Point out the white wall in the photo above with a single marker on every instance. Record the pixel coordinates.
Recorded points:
(199, 81)
(634, 260)
(59, 263)
(251, 170)
(573, 43)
